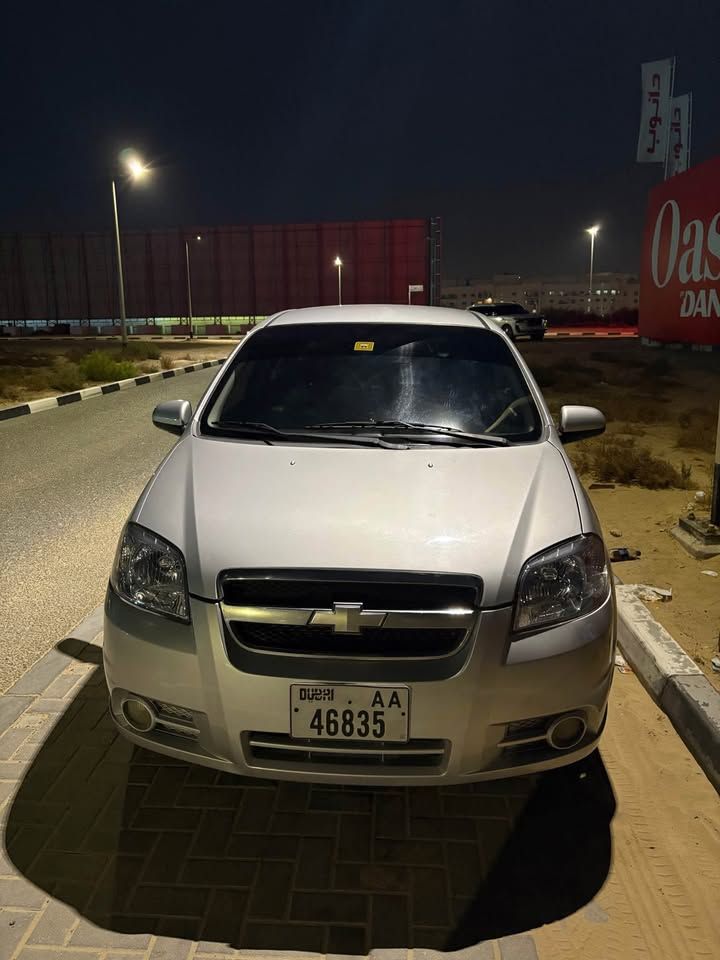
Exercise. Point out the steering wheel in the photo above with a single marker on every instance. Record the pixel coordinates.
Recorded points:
(511, 413)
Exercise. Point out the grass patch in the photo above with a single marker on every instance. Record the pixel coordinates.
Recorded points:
(619, 460)
(66, 377)
(101, 367)
(698, 430)
(166, 362)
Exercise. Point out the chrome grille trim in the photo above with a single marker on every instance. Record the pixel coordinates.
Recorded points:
(305, 746)
(273, 751)
(456, 619)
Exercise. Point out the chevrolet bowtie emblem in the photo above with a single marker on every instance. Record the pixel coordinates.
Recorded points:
(347, 618)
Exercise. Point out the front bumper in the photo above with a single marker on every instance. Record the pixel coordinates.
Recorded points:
(524, 328)
(461, 709)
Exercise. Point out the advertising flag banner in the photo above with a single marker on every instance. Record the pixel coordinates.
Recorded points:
(679, 150)
(657, 80)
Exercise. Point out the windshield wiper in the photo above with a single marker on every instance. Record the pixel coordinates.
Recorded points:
(268, 433)
(414, 427)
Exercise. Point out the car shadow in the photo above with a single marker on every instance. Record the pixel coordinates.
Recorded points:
(140, 843)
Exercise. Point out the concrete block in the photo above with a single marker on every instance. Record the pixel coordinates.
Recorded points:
(693, 705)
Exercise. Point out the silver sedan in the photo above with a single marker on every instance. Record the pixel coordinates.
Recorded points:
(366, 560)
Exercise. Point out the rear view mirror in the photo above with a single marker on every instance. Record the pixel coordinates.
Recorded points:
(579, 423)
(172, 415)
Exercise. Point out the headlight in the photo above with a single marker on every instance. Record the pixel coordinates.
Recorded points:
(562, 583)
(149, 572)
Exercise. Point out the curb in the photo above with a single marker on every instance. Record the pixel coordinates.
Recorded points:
(673, 345)
(49, 403)
(568, 332)
(674, 681)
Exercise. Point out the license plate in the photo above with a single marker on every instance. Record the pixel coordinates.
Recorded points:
(322, 712)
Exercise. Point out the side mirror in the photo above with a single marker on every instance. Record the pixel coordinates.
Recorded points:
(172, 415)
(579, 423)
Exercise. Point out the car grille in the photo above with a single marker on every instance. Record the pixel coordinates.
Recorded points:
(320, 589)
(371, 642)
(281, 750)
(325, 613)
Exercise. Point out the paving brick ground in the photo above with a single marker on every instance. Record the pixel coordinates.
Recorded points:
(111, 849)
(114, 853)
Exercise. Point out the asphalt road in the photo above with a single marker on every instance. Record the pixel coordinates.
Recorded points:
(68, 479)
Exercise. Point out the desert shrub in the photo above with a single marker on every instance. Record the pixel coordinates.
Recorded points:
(16, 382)
(630, 429)
(10, 389)
(619, 460)
(66, 376)
(166, 362)
(101, 367)
(628, 409)
(139, 350)
(698, 430)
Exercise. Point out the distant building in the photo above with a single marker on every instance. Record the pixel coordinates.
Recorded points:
(611, 291)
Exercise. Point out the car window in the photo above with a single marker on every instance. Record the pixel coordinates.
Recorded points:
(294, 376)
(500, 309)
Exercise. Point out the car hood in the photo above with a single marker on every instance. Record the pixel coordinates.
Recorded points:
(482, 511)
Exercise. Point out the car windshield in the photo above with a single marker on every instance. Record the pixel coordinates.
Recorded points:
(500, 309)
(298, 376)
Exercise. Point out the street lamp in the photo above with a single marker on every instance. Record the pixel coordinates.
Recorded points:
(339, 264)
(189, 286)
(593, 231)
(136, 170)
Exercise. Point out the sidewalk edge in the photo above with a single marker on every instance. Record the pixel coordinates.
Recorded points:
(673, 680)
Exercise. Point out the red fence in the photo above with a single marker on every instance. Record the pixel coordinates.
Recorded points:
(236, 271)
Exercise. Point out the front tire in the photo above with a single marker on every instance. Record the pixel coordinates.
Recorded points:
(537, 336)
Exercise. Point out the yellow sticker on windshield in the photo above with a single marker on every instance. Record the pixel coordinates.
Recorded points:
(367, 345)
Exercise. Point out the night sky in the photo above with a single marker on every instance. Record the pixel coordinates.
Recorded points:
(514, 121)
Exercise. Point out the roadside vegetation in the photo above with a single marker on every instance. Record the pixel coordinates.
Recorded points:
(656, 432)
(698, 429)
(617, 459)
(29, 370)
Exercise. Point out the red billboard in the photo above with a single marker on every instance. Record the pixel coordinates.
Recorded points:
(680, 278)
(237, 271)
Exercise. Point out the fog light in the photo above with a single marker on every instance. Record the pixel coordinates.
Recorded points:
(138, 715)
(566, 732)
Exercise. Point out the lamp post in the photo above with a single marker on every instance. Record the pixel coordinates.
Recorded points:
(339, 264)
(136, 170)
(593, 231)
(189, 285)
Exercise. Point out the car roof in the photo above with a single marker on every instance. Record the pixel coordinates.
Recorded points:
(495, 304)
(378, 313)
